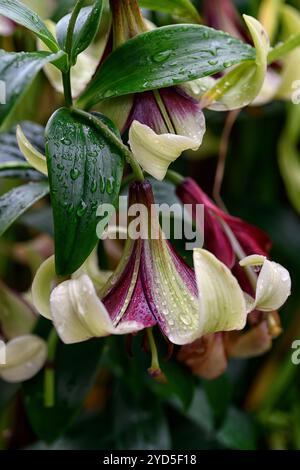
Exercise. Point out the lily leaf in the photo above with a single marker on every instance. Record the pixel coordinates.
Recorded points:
(18, 200)
(183, 9)
(24, 16)
(86, 28)
(17, 71)
(85, 170)
(164, 57)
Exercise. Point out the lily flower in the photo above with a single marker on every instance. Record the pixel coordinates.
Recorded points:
(22, 354)
(241, 85)
(163, 123)
(236, 88)
(220, 228)
(151, 286)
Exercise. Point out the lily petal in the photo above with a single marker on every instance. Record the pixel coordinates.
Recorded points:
(32, 155)
(25, 356)
(42, 286)
(273, 283)
(156, 152)
(79, 314)
(239, 87)
(222, 303)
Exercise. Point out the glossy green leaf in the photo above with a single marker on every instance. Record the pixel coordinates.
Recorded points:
(85, 170)
(12, 161)
(18, 200)
(164, 57)
(24, 16)
(183, 9)
(86, 28)
(75, 370)
(17, 71)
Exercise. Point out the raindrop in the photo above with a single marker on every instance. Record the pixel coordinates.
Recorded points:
(74, 174)
(212, 62)
(94, 186)
(65, 141)
(81, 208)
(102, 184)
(161, 56)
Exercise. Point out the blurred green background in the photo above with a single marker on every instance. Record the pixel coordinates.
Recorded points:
(254, 405)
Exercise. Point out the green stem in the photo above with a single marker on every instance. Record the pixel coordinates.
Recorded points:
(284, 48)
(153, 349)
(49, 377)
(67, 89)
(109, 135)
(175, 177)
(68, 50)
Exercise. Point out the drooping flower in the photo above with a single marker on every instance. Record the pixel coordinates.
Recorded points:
(267, 286)
(163, 123)
(22, 354)
(152, 285)
(220, 228)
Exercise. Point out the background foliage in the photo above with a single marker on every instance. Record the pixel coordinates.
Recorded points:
(106, 398)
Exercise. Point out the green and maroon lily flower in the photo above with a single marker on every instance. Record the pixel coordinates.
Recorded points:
(218, 225)
(152, 285)
(163, 123)
(231, 239)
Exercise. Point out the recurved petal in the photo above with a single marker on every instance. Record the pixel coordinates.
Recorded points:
(25, 356)
(32, 155)
(222, 306)
(42, 286)
(156, 152)
(79, 314)
(185, 114)
(241, 85)
(273, 283)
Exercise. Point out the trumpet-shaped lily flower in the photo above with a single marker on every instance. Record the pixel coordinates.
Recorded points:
(162, 125)
(152, 285)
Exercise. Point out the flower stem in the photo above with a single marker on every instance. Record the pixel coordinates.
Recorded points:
(174, 177)
(67, 89)
(68, 50)
(283, 48)
(109, 135)
(49, 377)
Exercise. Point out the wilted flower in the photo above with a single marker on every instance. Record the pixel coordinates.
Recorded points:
(152, 285)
